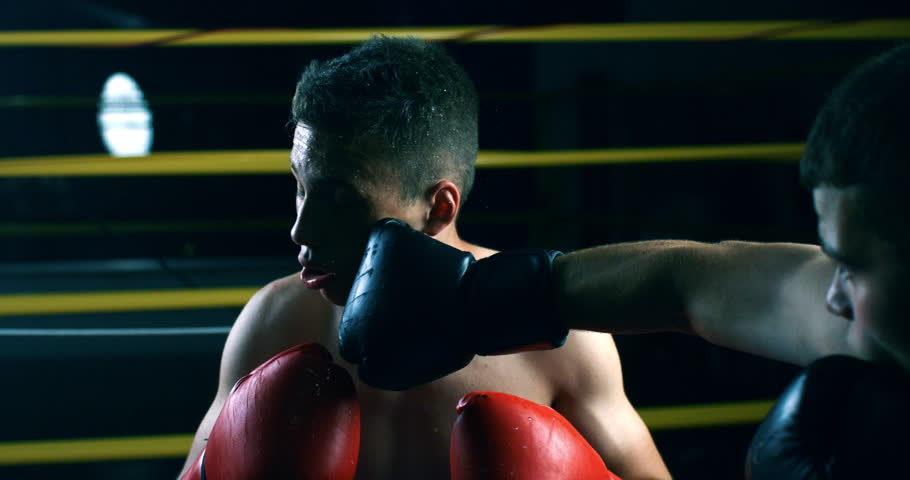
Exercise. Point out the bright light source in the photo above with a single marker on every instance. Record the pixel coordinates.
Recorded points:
(124, 117)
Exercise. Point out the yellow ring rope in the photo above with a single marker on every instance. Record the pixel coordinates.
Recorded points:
(264, 162)
(870, 29)
(123, 301)
(176, 446)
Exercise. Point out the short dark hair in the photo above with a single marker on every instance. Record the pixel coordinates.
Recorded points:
(861, 138)
(408, 94)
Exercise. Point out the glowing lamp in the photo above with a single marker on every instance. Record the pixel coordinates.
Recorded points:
(124, 118)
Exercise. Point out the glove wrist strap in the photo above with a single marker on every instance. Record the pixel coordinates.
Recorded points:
(508, 298)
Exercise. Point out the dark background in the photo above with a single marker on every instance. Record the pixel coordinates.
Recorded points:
(66, 234)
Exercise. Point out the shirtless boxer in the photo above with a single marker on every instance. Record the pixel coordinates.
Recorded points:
(845, 417)
(390, 130)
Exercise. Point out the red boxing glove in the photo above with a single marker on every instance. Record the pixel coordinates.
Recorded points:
(500, 436)
(295, 416)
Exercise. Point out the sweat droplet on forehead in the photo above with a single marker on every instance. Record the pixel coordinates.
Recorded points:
(311, 155)
(316, 155)
(299, 148)
(302, 136)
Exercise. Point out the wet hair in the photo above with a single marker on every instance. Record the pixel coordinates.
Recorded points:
(404, 96)
(861, 138)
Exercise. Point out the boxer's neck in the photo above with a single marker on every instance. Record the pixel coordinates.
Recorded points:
(450, 237)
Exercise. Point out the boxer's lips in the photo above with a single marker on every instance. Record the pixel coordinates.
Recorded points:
(315, 278)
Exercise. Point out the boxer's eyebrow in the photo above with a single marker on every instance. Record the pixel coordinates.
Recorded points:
(300, 162)
(334, 182)
(835, 254)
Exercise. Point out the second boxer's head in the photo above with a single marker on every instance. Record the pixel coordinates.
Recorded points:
(857, 163)
(386, 130)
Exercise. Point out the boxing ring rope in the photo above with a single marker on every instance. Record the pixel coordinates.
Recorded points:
(177, 446)
(111, 332)
(867, 29)
(123, 301)
(265, 162)
(41, 452)
(106, 228)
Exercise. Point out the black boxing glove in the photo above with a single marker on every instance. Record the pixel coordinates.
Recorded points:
(419, 309)
(842, 418)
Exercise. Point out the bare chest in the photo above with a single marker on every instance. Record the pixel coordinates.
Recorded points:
(407, 434)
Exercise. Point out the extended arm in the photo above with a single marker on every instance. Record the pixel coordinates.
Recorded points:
(766, 299)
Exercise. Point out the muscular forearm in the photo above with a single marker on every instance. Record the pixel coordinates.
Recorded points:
(623, 288)
(766, 299)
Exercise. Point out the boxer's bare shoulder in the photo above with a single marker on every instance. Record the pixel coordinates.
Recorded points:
(585, 376)
(280, 315)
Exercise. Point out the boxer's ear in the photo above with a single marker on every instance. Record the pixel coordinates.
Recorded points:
(444, 200)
